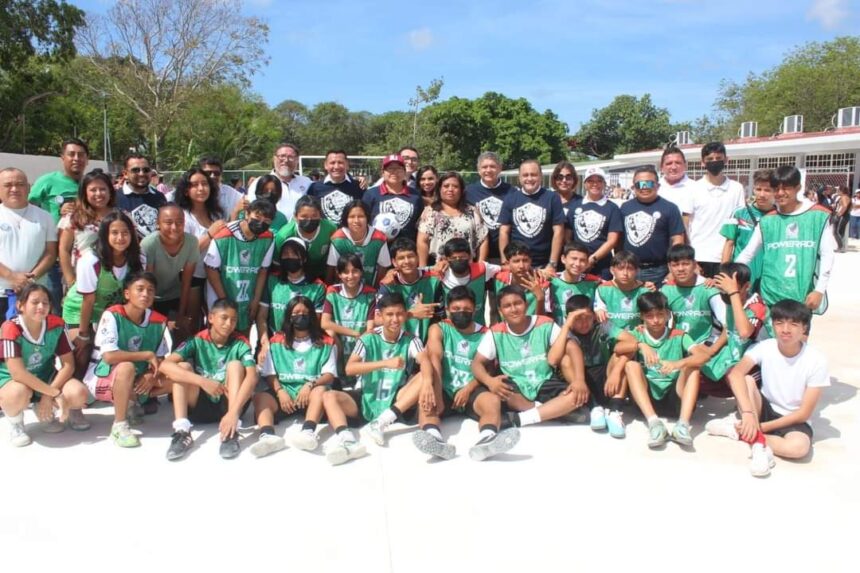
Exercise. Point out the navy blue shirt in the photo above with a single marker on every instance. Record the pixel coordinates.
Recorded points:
(531, 218)
(572, 204)
(405, 207)
(649, 227)
(333, 197)
(488, 202)
(591, 223)
(142, 208)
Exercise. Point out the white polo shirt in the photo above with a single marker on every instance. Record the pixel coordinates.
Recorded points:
(24, 234)
(679, 193)
(297, 187)
(710, 207)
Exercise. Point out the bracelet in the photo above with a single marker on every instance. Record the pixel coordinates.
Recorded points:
(732, 293)
(84, 338)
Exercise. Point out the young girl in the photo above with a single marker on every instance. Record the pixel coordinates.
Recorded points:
(299, 368)
(309, 225)
(349, 307)
(30, 343)
(355, 236)
(269, 188)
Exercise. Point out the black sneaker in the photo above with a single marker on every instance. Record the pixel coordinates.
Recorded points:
(180, 443)
(510, 420)
(230, 448)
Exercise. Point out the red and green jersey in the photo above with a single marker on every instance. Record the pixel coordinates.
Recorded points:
(730, 354)
(279, 293)
(293, 367)
(210, 359)
(479, 274)
(379, 388)
(427, 287)
(691, 308)
(350, 312)
(620, 305)
(523, 358)
(129, 336)
(458, 350)
(505, 278)
(38, 354)
(739, 229)
(369, 251)
(561, 290)
(672, 346)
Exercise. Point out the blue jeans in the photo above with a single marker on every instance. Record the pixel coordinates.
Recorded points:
(655, 275)
(55, 285)
(854, 228)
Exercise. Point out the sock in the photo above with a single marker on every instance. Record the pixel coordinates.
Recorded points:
(616, 404)
(182, 425)
(433, 430)
(652, 420)
(309, 426)
(16, 419)
(387, 417)
(757, 439)
(119, 424)
(530, 416)
(487, 431)
(267, 430)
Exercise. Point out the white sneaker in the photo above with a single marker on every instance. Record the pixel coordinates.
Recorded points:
(761, 460)
(376, 432)
(304, 440)
(598, 419)
(267, 444)
(341, 453)
(723, 427)
(17, 436)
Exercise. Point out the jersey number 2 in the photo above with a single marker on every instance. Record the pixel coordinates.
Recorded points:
(790, 266)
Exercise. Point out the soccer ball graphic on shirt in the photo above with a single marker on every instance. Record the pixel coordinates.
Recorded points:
(387, 224)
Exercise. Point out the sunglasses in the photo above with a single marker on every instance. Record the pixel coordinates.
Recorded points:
(137, 170)
(645, 184)
(565, 177)
(212, 173)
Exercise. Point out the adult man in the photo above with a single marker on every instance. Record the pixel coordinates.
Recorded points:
(674, 184)
(338, 188)
(55, 192)
(285, 162)
(533, 215)
(394, 196)
(651, 225)
(137, 198)
(487, 195)
(410, 163)
(229, 199)
(714, 200)
(28, 237)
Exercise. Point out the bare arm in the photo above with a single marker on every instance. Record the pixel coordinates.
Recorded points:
(557, 243)
(86, 319)
(504, 239)
(214, 278)
(434, 351)
(799, 416)
(423, 244)
(67, 243)
(327, 323)
(185, 289)
(47, 260)
(728, 250)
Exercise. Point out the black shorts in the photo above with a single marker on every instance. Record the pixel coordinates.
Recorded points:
(468, 409)
(552, 388)
(280, 415)
(198, 282)
(205, 411)
(768, 414)
(166, 307)
(595, 379)
(669, 406)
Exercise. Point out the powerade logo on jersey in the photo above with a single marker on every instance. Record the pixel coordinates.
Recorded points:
(792, 231)
(134, 343)
(791, 245)
(463, 347)
(35, 359)
(529, 219)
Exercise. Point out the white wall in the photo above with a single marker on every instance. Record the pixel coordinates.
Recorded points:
(36, 165)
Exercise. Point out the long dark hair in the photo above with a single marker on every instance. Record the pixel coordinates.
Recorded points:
(103, 248)
(276, 195)
(357, 204)
(437, 195)
(84, 213)
(213, 206)
(314, 328)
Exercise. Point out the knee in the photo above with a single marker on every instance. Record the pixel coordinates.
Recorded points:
(16, 395)
(633, 368)
(125, 372)
(75, 393)
(796, 447)
(318, 392)
(329, 399)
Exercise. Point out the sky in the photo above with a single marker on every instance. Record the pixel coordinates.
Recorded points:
(567, 56)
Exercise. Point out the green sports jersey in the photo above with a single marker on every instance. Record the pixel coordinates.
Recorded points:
(108, 292)
(133, 337)
(561, 290)
(790, 247)
(379, 388)
(620, 305)
(730, 354)
(349, 312)
(279, 293)
(52, 190)
(740, 229)
(505, 278)
(429, 287)
(317, 247)
(597, 346)
(38, 356)
(673, 345)
(210, 360)
(523, 359)
(294, 368)
(368, 252)
(458, 350)
(477, 283)
(691, 308)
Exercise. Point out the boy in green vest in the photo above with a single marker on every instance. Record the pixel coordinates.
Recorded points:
(615, 300)
(697, 308)
(462, 271)
(385, 359)
(659, 378)
(130, 343)
(528, 350)
(572, 281)
(214, 374)
(451, 345)
(520, 272)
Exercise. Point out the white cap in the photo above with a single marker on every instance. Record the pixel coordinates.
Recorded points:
(594, 171)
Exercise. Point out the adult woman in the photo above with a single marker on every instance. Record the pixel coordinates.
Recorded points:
(596, 223)
(449, 217)
(564, 181)
(427, 178)
(841, 209)
(854, 225)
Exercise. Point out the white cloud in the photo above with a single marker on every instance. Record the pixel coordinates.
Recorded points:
(830, 13)
(420, 39)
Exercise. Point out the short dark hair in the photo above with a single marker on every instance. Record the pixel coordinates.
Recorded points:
(672, 150)
(410, 148)
(763, 176)
(349, 259)
(224, 304)
(170, 205)
(577, 302)
(785, 175)
(335, 152)
(134, 155)
(210, 160)
(515, 248)
(624, 258)
(402, 244)
(357, 204)
(307, 201)
(573, 246)
(649, 301)
(741, 270)
(133, 277)
(793, 311)
(713, 147)
(461, 292)
(74, 141)
(516, 290)
(646, 169)
(390, 299)
(678, 253)
(456, 245)
(263, 207)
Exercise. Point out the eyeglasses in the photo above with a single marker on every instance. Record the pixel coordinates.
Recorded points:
(645, 184)
(212, 174)
(565, 177)
(137, 170)
(284, 157)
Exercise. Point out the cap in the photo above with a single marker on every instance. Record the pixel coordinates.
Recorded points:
(393, 158)
(594, 171)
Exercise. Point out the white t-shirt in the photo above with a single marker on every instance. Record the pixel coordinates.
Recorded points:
(86, 277)
(297, 187)
(193, 227)
(330, 366)
(24, 234)
(228, 198)
(710, 207)
(679, 193)
(487, 346)
(784, 379)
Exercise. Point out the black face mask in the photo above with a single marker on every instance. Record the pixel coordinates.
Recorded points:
(715, 167)
(459, 267)
(291, 265)
(258, 227)
(462, 318)
(300, 321)
(309, 225)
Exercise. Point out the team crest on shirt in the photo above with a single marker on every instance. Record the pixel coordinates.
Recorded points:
(525, 349)
(222, 363)
(792, 231)
(490, 209)
(689, 300)
(639, 227)
(402, 210)
(529, 219)
(627, 304)
(587, 223)
(299, 364)
(244, 257)
(134, 343)
(333, 204)
(145, 217)
(348, 311)
(463, 347)
(35, 359)
(5, 227)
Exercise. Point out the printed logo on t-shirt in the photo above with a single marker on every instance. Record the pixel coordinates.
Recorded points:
(689, 300)
(244, 257)
(299, 364)
(134, 343)
(402, 210)
(333, 204)
(463, 347)
(5, 227)
(529, 219)
(640, 226)
(525, 349)
(144, 218)
(490, 209)
(35, 359)
(792, 231)
(627, 304)
(588, 224)
(347, 311)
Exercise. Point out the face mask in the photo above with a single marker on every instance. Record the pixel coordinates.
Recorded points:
(459, 267)
(715, 167)
(258, 227)
(461, 318)
(300, 321)
(291, 265)
(309, 225)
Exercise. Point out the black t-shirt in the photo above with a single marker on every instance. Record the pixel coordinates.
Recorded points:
(648, 228)
(406, 208)
(335, 196)
(142, 208)
(489, 204)
(532, 218)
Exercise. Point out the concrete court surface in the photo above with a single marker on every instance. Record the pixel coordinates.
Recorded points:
(564, 499)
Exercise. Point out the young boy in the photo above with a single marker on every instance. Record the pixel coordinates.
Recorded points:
(213, 375)
(421, 289)
(528, 349)
(615, 300)
(520, 273)
(573, 281)
(603, 369)
(462, 271)
(697, 309)
(775, 419)
(130, 343)
(659, 378)
(739, 229)
(451, 346)
(238, 259)
(385, 360)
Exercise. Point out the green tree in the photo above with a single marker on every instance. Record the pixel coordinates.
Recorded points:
(330, 125)
(626, 125)
(292, 116)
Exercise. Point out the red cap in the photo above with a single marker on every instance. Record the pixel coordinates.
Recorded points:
(393, 158)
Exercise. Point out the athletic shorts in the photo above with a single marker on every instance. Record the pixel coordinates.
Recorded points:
(205, 411)
(101, 387)
(669, 406)
(280, 415)
(468, 409)
(167, 307)
(595, 379)
(768, 414)
(408, 417)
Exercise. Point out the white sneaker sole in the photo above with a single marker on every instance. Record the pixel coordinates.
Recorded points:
(723, 428)
(504, 442)
(426, 443)
(304, 441)
(267, 447)
(340, 454)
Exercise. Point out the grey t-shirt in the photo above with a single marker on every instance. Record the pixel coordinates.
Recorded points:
(167, 269)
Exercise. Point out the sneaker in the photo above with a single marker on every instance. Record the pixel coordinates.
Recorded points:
(135, 414)
(77, 421)
(304, 440)
(433, 446)
(123, 436)
(615, 423)
(597, 419)
(376, 432)
(761, 460)
(180, 443)
(723, 427)
(495, 445)
(267, 444)
(53, 426)
(17, 436)
(681, 434)
(343, 452)
(657, 434)
(230, 448)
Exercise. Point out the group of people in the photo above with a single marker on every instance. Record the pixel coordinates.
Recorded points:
(418, 298)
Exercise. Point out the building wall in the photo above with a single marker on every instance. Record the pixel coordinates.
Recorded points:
(36, 165)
